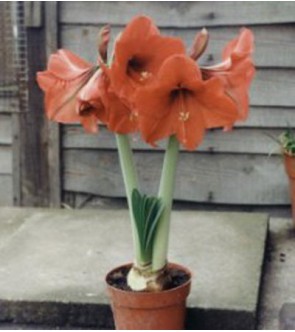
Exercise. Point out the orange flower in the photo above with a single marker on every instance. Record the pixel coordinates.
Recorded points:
(66, 82)
(236, 71)
(180, 102)
(139, 52)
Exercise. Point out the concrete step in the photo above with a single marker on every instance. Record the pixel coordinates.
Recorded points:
(53, 262)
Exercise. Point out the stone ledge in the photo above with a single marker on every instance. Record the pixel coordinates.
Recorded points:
(52, 267)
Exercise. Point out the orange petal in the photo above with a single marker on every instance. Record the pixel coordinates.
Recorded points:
(189, 130)
(103, 42)
(199, 45)
(67, 65)
(45, 80)
(243, 45)
(89, 123)
(218, 109)
(156, 121)
(121, 119)
(60, 105)
(179, 70)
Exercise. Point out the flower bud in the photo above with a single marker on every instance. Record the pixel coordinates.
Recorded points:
(200, 44)
(103, 41)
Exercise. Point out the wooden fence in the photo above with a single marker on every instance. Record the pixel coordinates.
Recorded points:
(229, 168)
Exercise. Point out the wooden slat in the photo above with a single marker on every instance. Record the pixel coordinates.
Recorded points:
(269, 117)
(6, 195)
(226, 178)
(5, 130)
(82, 40)
(273, 87)
(180, 13)
(9, 104)
(5, 160)
(54, 165)
(33, 14)
(29, 133)
(249, 141)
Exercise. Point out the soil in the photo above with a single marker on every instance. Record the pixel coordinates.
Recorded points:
(118, 278)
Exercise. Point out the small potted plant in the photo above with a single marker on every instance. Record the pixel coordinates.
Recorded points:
(151, 86)
(287, 143)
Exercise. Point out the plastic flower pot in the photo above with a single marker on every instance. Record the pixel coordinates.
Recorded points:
(289, 162)
(164, 310)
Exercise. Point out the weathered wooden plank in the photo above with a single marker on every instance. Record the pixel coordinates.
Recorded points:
(9, 104)
(82, 40)
(54, 172)
(30, 166)
(179, 13)
(33, 14)
(5, 160)
(6, 195)
(249, 141)
(5, 129)
(225, 178)
(269, 117)
(273, 87)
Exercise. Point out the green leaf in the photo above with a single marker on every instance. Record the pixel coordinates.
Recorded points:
(147, 212)
(136, 207)
(153, 223)
(287, 141)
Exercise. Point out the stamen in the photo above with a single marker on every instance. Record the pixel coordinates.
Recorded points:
(144, 75)
(183, 116)
(85, 109)
(133, 116)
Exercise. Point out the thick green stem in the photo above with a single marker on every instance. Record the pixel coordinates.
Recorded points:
(166, 190)
(131, 182)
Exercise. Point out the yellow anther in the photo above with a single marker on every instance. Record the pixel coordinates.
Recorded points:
(144, 75)
(133, 116)
(183, 116)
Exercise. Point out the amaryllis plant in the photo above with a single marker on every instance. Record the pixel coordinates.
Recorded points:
(150, 85)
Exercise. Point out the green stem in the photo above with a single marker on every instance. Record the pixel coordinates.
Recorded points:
(166, 190)
(130, 181)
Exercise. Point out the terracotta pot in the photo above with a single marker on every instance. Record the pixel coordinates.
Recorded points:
(164, 310)
(290, 170)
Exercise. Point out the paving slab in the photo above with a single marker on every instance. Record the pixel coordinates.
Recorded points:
(52, 267)
(278, 291)
(10, 221)
(287, 317)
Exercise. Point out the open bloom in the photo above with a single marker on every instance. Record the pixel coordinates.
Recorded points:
(180, 102)
(139, 52)
(66, 82)
(236, 71)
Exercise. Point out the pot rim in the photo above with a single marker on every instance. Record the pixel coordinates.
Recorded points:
(166, 291)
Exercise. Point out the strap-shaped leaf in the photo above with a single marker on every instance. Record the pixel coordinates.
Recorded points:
(147, 212)
(136, 208)
(153, 222)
